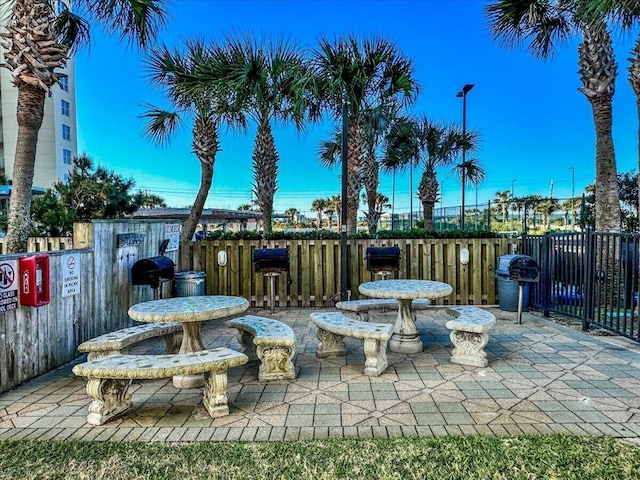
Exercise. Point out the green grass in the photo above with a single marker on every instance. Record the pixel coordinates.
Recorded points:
(469, 457)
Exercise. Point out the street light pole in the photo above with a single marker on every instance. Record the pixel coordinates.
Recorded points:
(463, 93)
(344, 288)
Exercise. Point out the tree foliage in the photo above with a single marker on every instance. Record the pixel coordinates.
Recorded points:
(90, 193)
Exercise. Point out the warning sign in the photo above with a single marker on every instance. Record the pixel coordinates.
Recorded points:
(172, 233)
(8, 286)
(70, 275)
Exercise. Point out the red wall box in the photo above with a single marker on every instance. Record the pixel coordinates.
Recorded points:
(35, 289)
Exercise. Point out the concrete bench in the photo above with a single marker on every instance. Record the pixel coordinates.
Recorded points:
(361, 307)
(334, 326)
(116, 342)
(469, 334)
(108, 378)
(273, 342)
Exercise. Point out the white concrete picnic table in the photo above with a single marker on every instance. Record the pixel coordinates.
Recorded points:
(191, 312)
(405, 332)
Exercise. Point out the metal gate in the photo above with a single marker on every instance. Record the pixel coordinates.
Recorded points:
(592, 276)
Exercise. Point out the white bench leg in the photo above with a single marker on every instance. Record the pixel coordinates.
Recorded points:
(469, 348)
(215, 394)
(330, 344)
(110, 399)
(275, 363)
(375, 352)
(363, 316)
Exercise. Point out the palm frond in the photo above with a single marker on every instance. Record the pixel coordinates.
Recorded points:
(160, 124)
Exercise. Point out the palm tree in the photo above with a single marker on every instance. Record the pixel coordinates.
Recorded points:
(469, 172)
(292, 213)
(626, 14)
(430, 145)
(545, 23)
(245, 207)
(502, 199)
(329, 211)
(267, 78)
(363, 75)
(40, 36)
(375, 125)
(207, 108)
(319, 205)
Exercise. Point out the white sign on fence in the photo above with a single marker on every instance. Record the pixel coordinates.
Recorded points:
(172, 233)
(8, 285)
(70, 275)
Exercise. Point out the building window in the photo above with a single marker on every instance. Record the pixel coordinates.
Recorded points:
(66, 132)
(66, 177)
(64, 83)
(66, 156)
(65, 108)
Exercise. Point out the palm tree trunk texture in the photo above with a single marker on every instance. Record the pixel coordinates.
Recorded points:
(30, 115)
(205, 145)
(607, 204)
(265, 172)
(428, 193)
(354, 160)
(634, 80)
(371, 180)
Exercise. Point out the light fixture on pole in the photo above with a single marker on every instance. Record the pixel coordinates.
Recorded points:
(463, 94)
(573, 197)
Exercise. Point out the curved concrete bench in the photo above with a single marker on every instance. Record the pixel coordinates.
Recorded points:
(469, 334)
(108, 378)
(334, 326)
(273, 342)
(361, 307)
(114, 342)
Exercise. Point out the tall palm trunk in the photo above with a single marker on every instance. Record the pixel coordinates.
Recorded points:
(428, 194)
(205, 145)
(30, 115)
(598, 71)
(634, 80)
(31, 54)
(265, 171)
(354, 172)
(371, 180)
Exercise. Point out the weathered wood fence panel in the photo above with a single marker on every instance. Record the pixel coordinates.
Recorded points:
(34, 340)
(315, 268)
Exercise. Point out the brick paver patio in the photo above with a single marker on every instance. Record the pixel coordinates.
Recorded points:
(542, 378)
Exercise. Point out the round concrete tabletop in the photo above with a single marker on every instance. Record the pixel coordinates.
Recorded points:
(188, 309)
(405, 289)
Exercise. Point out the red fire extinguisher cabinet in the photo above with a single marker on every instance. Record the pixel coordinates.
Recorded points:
(35, 290)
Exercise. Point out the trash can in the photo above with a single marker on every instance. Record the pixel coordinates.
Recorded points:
(508, 290)
(189, 283)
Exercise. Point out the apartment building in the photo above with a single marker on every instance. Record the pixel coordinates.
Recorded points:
(57, 141)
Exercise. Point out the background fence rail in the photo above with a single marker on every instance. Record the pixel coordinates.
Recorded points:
(315, 268)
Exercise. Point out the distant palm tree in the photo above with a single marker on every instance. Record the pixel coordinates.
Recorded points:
(319, 205)
(208, 108)
(40, 35)
(418, 141)
(267, 78)
(546, 23)
(363, 74)
(244, 207)
(502, 200)
(469, 172)
(292, 213)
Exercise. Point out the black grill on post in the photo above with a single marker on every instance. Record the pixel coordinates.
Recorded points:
(383, 260)
(153, 272)
(271, 262)
(523, 269)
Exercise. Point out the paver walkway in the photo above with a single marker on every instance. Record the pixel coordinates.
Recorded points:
(542, 378)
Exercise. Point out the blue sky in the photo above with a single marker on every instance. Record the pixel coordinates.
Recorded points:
(534, 123)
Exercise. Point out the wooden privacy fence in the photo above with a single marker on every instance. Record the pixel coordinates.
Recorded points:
(314, 279)
(43, 244)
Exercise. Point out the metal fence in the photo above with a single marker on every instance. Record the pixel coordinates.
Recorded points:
(592, 276)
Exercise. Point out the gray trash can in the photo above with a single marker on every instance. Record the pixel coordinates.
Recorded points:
(189, 283)
(508, 290)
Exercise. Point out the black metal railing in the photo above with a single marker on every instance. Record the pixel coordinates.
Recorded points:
(591, 276)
